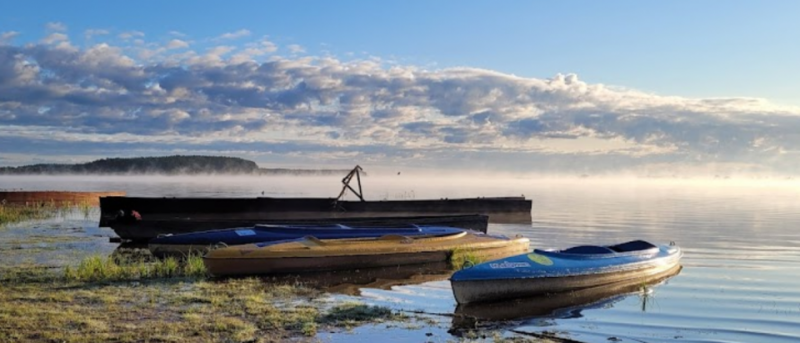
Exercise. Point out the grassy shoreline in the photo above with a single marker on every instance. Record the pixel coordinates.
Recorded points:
(45, 305)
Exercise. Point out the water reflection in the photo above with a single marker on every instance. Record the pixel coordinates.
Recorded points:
(561, 305)
(349, 282)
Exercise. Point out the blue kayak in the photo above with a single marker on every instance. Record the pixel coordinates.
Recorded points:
(199, 241)
(553, 271)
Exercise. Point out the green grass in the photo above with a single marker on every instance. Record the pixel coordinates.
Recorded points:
(354, 313)
(98, 268)
(464, 257)
(37, 304)
(16, 213)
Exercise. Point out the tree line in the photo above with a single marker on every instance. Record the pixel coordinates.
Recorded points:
(169, 165)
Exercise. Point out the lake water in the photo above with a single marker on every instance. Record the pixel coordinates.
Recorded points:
(740, 281)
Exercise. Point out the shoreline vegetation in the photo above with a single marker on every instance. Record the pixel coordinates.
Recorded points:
(11, 213)
(167, 165)
(134, 297)
(40, 305)
(131, 296)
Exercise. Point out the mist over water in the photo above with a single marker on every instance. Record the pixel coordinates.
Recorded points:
(740, 238)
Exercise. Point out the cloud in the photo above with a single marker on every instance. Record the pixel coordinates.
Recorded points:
(55, 38)
(177, 44)
(7, 37)
(95, 32)
(56, 26)
(177, 34)
(234, 35)
(296, 49)
(130, 34)
(226, 98)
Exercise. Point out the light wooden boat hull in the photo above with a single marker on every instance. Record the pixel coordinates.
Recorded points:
(309, 255)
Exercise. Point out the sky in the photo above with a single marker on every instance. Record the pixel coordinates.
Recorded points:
(586, 87)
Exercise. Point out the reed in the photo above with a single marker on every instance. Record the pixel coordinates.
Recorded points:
(121, 268)
(464, 257)
(41, 210)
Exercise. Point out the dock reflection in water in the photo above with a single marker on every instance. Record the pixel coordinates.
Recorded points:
(558, 305)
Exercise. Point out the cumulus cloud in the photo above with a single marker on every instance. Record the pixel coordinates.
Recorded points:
(95, 32)
(56, 26)
(234, 35)
(177, 44)
(130, 35)
(55, 38)
(296, 49)
(7, 37)
(225, 97)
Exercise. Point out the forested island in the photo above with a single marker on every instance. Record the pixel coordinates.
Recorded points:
(166, 165)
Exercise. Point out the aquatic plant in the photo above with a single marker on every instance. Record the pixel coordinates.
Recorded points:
(98, 268)
(41, 210)
(462, 257)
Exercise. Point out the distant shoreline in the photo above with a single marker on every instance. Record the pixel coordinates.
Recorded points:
(167, 165)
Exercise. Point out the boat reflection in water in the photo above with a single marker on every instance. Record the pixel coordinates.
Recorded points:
(347, 282)
(351, 282)
(557, 305)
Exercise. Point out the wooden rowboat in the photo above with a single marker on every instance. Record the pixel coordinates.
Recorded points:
(311, 254)
(203, 241)
(147, 227)
(551, 271)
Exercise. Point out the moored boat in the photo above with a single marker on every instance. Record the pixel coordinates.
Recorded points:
(311, 254)
(554, 271)
(558, 305)
(183, 244)
(149, 226)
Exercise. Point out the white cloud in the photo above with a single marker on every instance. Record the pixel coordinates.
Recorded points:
(296, 49)
(177, 44)
(227, 94)
(130, 34)
(56, 26)
(55, 38)
(234, 35)
(95, 32)
(7, 37)
(177, 34)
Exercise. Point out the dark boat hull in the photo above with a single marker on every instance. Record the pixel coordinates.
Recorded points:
(146, 229)
(500, 210)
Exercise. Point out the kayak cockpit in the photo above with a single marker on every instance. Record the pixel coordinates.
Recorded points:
(637, 247)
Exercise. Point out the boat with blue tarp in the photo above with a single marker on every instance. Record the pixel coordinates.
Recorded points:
(555, 271)
(202, 241)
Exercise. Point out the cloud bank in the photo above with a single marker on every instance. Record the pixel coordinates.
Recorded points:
(250, 99)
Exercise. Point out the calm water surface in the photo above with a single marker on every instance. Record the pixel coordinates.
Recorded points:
(740, 281)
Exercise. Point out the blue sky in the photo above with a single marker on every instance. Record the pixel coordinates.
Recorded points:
(569, 85)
